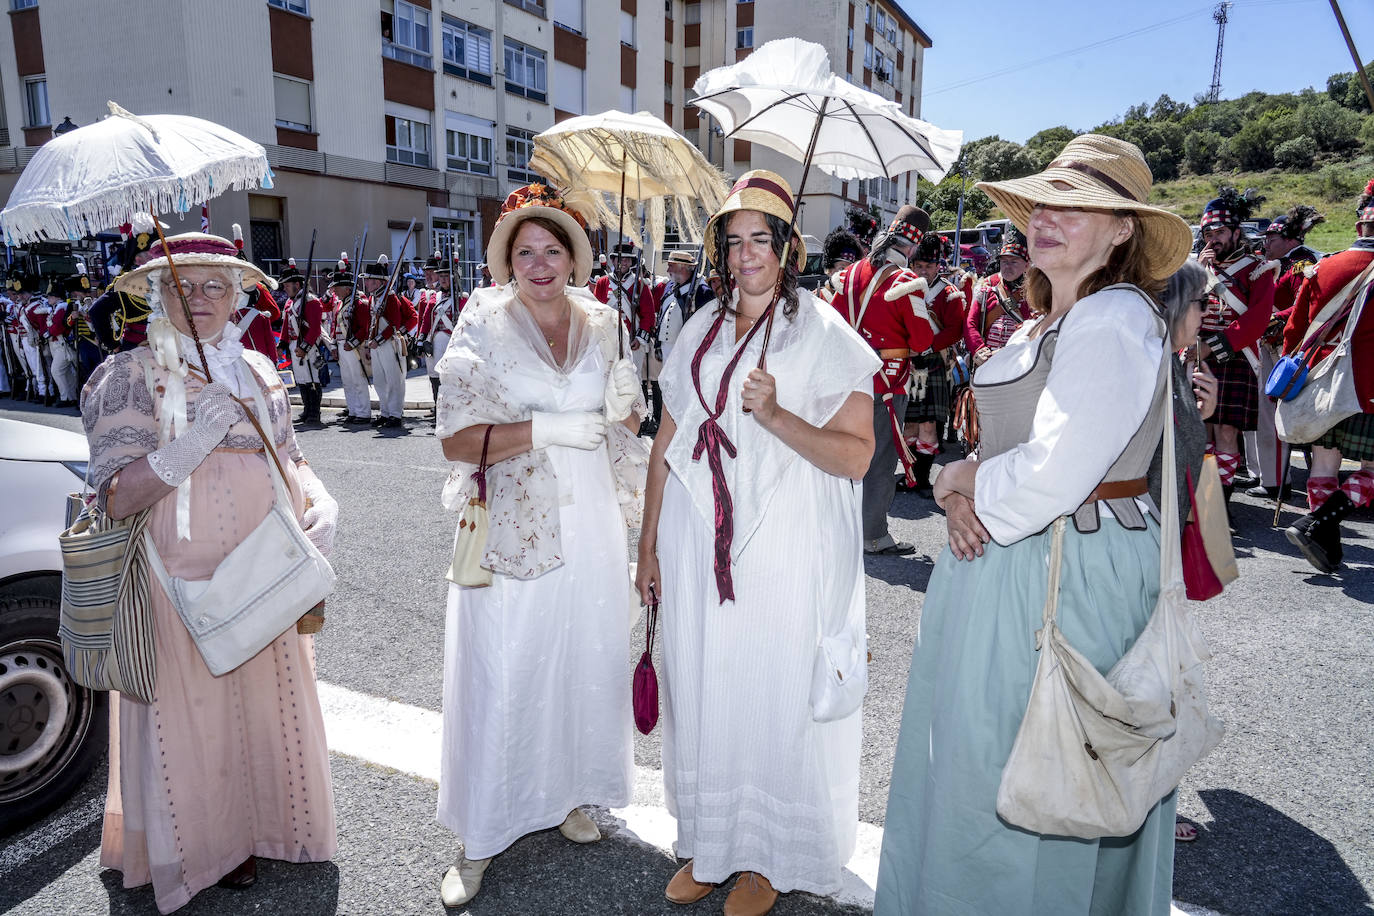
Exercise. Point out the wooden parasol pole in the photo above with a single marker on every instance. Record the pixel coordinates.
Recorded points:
(185, 306)
(1354, 55)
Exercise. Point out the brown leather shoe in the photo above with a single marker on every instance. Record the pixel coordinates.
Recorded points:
(752, 895)
(686, 889)
(245, 875)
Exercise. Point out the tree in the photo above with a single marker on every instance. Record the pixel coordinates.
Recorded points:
(1047, 144)
(1347, 91)
(1297, 153)
(1250, 149)
(1166, 109)
(1200, 149)
(1000, 160)
(1333, 127)
(1137, 112)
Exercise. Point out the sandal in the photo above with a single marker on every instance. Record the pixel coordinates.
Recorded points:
(895, 549)
(1184, 832)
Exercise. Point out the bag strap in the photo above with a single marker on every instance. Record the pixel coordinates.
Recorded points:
(269, 443)
(1339, 305)
(482, 465)
(652, 624)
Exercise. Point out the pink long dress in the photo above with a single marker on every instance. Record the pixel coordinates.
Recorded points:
(217, 768)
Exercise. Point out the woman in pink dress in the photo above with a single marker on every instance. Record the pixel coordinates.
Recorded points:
(215, 770)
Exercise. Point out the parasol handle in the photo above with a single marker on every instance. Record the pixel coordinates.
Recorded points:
(620, 237)
(185, 306)
(791, 231)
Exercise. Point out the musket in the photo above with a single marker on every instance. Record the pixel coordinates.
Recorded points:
(301, 324)
(351, 304)
(390, 282)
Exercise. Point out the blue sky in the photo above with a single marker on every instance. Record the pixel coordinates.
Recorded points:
(1271, 45)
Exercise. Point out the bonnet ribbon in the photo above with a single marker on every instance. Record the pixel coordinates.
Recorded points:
(711, 440)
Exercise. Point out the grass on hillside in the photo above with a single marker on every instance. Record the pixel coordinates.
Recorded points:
(1332, 188)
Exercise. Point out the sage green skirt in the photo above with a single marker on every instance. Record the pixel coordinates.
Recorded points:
(945, 850)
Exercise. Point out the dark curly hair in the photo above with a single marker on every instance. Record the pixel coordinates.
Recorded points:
(791, 272)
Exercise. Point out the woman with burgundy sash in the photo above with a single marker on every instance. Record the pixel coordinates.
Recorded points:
(751, 536)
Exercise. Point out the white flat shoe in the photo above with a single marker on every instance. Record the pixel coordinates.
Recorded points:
(462, 881)
(579, 828)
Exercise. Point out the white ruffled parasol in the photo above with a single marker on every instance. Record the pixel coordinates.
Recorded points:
(96, 177)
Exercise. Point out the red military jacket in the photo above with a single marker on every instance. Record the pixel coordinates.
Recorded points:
(397, 313)
(425, 300)
(1323, 283)
(37, 313)
(57, 320)
(1292, 271)
(637, 304)
(311, 314)
(896, 323)
(988, 300)
(945, 304)
(1250, 281)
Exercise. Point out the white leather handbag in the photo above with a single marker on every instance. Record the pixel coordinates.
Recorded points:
(260, 589)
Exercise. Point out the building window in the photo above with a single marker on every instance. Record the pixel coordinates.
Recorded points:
(293, 6)
(36, 102)
(868, 54)
(694, 14)
(293, 102)
(519, 149)
(468, 152)
(868, 14)
(526, 71)
(467, 51)
(407, 141)
(530, 6)
(892, 31)
(744, 38)
(569, 15)
(849, 43)
(23, 4)
(881, 26)
(569, 88)
(627, 99)
(627, 29)
(405, 35)
(668, 9)
(668, 93)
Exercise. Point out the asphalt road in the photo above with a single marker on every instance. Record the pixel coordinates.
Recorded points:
(1283, 806)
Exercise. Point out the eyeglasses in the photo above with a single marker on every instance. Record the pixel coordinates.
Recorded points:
(212, 289)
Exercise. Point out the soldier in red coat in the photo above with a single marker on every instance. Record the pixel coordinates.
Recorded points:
(1318, 534)
(393, 318)
(1240, 303)
(351, 326)
(999, 305)
(302, 332)
(622, 289)
(930, 388)
(884, 302)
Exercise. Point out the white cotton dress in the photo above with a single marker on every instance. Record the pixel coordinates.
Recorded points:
(536, 671)
(754, 782)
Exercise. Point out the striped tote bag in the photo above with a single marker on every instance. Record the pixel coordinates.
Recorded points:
(106, 623)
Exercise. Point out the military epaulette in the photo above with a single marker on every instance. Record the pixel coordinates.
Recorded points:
(1266, 267)
(1310, 271)
(955, 293)
(906, 284)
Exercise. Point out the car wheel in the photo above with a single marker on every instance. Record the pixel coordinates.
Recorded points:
(52, 730)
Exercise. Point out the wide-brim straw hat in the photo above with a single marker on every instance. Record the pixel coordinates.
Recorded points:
(685, 258)
(192, 249)
(1097, 172)
(538, 200)
(762, 190)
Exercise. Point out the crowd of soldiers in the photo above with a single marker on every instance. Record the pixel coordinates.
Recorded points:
(930, 318)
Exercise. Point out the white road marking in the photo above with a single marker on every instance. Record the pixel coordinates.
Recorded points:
(408, 739)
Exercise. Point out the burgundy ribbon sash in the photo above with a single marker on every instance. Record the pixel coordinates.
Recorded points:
(711, 441)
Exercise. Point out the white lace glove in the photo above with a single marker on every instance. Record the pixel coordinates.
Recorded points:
(622, 388)
(216, 411)
(574, 428)
(321, 517)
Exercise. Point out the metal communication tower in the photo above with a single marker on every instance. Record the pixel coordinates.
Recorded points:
(1219, 16)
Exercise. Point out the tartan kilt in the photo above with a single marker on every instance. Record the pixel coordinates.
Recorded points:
(1238, 395)
(1353, 437)
(933, 407)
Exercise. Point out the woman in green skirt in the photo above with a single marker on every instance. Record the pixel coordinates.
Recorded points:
(1072, 411)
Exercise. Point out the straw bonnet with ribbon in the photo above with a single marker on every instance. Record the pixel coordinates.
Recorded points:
(539, 200)
(192, 249)
(685, 258)
(1097, 172)
(762, 190)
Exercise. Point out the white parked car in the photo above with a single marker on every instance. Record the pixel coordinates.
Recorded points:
(52, 730)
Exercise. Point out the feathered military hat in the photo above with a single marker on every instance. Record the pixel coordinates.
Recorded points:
(380, 268)
(840, 245)
(1364, 210)
(1014, 245)
(1229, 208)
(929, 250)
(910, 223)
(1295, 224)
(863, 224)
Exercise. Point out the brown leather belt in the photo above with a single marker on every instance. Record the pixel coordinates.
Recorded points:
(894, 354)
(1119, 489)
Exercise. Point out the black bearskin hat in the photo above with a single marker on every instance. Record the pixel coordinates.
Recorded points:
(840, 245)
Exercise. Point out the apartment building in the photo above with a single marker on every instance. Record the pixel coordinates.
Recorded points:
(872, 43)
(372, 112)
